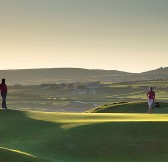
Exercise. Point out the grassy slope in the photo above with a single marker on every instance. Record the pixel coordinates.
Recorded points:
(70, 137)
(131, 107)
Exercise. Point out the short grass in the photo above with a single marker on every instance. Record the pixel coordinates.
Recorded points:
(27, 136)
(129, 107)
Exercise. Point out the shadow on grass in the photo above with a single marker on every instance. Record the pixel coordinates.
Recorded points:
(116, 141)
(111, 141)
(19, 132)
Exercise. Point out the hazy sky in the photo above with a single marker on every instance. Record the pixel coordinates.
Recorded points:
(126, 35)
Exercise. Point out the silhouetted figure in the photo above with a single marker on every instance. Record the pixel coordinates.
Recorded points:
(3, 89)
(151, 99)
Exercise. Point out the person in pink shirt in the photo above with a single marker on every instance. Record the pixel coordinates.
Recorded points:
(151, 99)
(3, 89)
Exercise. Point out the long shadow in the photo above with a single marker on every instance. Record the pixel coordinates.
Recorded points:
(135, 141)
(19, 132)
(97, 142)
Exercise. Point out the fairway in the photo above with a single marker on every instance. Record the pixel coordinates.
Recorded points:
(89, 118)
(29, 136)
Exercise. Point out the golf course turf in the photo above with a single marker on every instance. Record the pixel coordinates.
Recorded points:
(29, 136)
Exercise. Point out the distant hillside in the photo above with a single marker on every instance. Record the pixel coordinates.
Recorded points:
(53, 75)
(161, 71)
(157, 74)
(58, 75)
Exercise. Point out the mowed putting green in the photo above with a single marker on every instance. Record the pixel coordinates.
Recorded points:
(27, 136)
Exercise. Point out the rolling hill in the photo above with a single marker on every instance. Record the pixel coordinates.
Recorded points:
(57, 75)
(129, 107)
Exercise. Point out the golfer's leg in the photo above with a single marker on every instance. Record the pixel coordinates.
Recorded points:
(148, 106)
(4, 103)
(3, 100)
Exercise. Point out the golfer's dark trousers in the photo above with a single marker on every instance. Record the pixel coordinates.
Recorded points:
(3, 100)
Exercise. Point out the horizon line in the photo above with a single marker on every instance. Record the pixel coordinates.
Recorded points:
(77, 68)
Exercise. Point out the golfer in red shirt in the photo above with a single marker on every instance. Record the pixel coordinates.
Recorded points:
(151, 99)
(3, 89)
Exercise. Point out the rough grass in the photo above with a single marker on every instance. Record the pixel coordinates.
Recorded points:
(79, 137)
